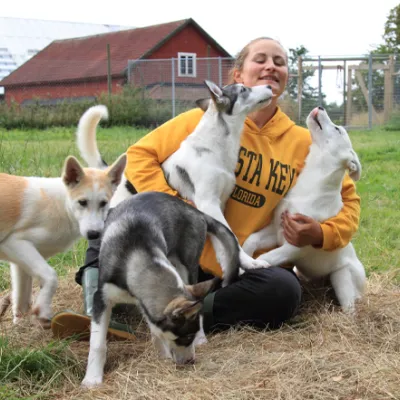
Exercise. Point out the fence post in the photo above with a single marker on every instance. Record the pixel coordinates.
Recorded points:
(108, 70)
(370, 91)
(208, 63)
(129, 72)
(319, 81)
(219, 71)
(299, 86)
(388, 90)
(344, 91)
(349, 100)
(173, 85)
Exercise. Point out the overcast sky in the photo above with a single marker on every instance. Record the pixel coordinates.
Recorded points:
(339, 27)
(329, 28)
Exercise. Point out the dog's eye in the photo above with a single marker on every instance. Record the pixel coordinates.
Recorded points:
(338, 129)
(102, 204)
(83, 203)
(185, 340)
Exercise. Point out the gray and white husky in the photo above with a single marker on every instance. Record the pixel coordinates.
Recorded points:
(203, 168)
(149, 256)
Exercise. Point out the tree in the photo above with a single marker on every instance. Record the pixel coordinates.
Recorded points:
(391, 36)
(391, 45)
(309, 92)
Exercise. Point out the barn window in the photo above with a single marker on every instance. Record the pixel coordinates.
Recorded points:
(187, 64)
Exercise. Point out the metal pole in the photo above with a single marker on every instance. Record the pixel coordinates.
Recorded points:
(173, 86)
(370, 91)
(319, 81)
(108, 70)
(219, 71)
(208, 63)
(344, 91)
(129, 72)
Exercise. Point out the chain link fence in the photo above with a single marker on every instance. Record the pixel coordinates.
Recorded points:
(358, 92)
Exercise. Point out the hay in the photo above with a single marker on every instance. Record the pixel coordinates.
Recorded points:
(322, 354)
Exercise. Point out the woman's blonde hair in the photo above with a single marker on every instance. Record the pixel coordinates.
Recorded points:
(242, 55)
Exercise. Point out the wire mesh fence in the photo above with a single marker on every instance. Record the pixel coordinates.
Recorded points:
(358, 91)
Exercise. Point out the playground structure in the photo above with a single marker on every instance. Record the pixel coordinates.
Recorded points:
(355, 72)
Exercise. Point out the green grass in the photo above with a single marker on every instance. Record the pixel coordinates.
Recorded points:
(24, 371)
(378, 240)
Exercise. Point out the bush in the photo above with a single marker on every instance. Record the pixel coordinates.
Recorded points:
(130, 107)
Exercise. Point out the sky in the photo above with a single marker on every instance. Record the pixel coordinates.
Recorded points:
(326, 28)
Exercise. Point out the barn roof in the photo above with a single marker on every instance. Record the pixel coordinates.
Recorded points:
(86, 57)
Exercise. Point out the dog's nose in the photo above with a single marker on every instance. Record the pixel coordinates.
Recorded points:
(269, 87)
(91, 235)
(321, 108)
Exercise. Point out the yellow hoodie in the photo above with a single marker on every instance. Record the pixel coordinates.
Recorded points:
(269, 162)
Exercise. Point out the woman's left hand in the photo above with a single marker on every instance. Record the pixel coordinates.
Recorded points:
(300, 230)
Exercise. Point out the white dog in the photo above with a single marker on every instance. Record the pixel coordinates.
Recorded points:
(203, 168)
(317, 194)
(44, 216)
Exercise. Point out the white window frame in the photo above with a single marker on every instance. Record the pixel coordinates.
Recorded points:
(186, 56)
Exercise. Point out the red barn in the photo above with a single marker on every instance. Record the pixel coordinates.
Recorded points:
(183, 53)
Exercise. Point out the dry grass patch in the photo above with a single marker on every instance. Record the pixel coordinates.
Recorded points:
(322, 354)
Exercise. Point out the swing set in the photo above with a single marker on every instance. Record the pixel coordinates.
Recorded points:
(346, 70)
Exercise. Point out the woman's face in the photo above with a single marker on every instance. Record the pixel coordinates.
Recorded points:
(265, 64)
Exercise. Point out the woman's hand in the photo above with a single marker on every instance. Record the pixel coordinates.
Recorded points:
(300, 230)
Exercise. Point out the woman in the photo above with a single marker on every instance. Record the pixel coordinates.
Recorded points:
(272, 153)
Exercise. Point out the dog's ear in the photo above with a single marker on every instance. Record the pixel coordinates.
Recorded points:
(116, 170)
(354, 166)
(72, 172)
(181, 308)
(217, 95)
(203, 104)
(188, 310)
(202, 289)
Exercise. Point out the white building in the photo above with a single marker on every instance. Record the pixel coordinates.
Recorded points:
(21, 38)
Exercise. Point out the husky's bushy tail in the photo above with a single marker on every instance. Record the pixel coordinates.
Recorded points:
(86, 136)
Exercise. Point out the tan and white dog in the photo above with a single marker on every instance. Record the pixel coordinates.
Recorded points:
(41, 217)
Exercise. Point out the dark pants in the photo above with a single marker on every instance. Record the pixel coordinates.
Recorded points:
(260, 298)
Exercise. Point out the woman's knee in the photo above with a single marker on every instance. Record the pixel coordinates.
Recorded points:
(277, 294)
(265, 297)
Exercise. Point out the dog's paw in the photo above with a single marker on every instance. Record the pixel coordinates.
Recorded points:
(43, 315)
(91, 382)
(260, 264)
(200, 339)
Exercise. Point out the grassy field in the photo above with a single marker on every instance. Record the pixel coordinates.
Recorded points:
(33, 366)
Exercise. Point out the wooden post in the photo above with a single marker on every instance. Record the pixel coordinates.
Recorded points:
(349, 97)
(388, 91)
(299, 86)
(366, 93)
